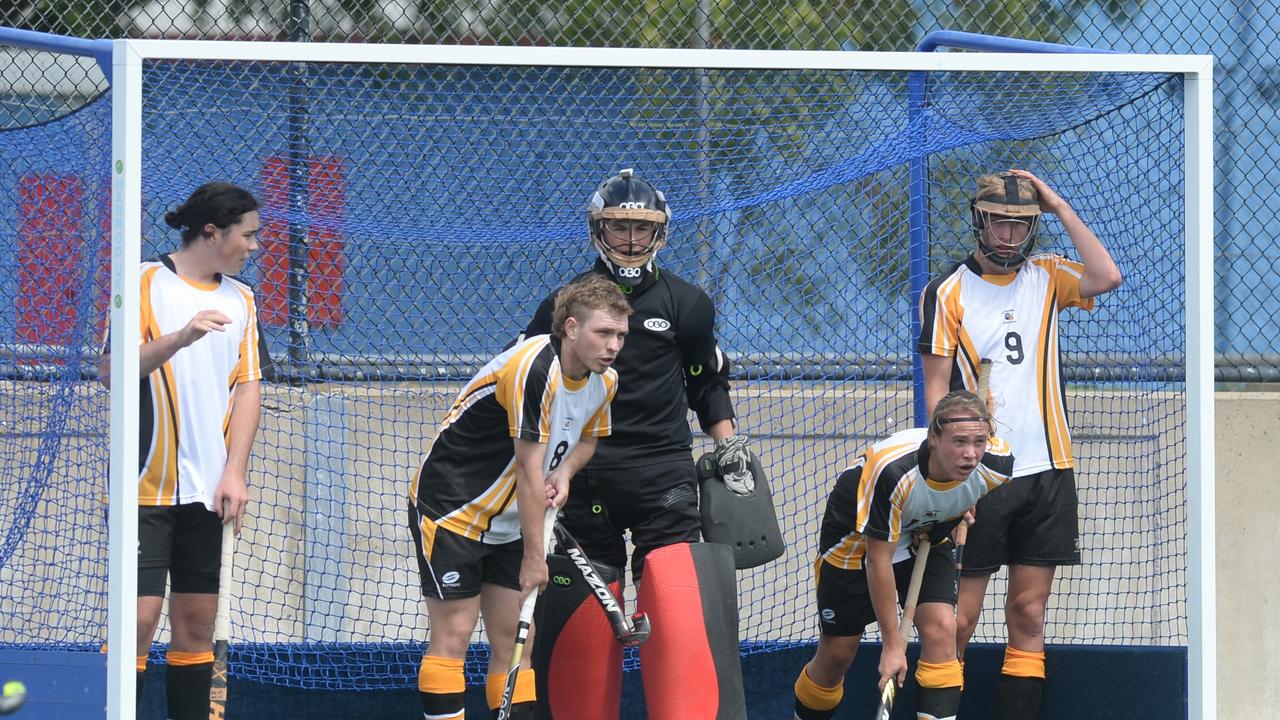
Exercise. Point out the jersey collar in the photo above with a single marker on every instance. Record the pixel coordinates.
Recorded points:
(646, 281)
(974, 266)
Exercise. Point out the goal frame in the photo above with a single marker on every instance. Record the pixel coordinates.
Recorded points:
(128, 56)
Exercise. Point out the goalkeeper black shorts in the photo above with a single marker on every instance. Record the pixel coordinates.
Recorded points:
(658, 503)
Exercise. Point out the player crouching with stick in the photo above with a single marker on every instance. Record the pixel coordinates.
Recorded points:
(915, 482)
(502, 457)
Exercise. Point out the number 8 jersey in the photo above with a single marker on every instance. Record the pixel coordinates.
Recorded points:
(467, 483)
(1013, 321)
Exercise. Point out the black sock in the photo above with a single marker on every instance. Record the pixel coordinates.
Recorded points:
(1019, 698)
(187, 691)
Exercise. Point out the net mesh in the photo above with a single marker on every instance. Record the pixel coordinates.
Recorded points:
(440, 204)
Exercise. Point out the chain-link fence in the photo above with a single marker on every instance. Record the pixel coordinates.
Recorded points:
(1237, 33)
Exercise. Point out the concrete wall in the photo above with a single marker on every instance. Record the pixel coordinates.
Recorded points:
(1248, 452)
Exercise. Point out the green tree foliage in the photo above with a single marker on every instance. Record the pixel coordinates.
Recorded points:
(84, 18)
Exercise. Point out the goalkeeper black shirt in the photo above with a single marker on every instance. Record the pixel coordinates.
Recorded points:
(669, 364)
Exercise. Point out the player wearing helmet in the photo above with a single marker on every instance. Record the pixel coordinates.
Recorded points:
(627, 219)
(642, 479)
(1002, 303)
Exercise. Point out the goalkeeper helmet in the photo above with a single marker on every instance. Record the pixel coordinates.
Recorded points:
(627, 219)
(1006, 215)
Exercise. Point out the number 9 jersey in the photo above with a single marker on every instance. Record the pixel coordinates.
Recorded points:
(467, 483)
(1013, 320)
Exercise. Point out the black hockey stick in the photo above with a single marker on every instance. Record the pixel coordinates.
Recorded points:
(628, 632)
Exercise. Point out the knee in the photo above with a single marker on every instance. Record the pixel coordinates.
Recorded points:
(191, 631)
(449, 642)
(966, 620)
(939, 628)
(832, 661)
(1025, 614)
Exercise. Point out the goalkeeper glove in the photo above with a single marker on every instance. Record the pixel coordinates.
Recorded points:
(734, 458)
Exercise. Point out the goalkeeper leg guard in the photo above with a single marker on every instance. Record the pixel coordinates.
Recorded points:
(1021, 685)
(442, 687)
(938, 695)
(690, 664)
(522, 698)
(814, 702)
(187, 681)
(578, 662)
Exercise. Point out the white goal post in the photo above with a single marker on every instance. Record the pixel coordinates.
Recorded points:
(126, 232)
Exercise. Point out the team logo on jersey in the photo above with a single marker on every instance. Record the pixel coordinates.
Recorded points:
(450, 579)
(657, 325)
(1008, 316)
(828, 615)
(568, 423)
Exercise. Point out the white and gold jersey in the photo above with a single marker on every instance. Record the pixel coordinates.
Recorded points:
(1011, 320)
(187, 402)
(887, 494)
(467, 483)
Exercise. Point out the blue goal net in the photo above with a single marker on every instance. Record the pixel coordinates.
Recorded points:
(430, 209)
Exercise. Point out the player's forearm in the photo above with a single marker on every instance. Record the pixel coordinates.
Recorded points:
(531, 493)
(710, 401)
(243, 426)
(1100, 271)
(937, 380)
(153, 354)
(721, 430)
(580, 455)
(531, 500)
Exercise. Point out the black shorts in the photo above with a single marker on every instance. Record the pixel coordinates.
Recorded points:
(1031, 520)
(658, 503)
(844, 597)
(453, 567)
(182, 543)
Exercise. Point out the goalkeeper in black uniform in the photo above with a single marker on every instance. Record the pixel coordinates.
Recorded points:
(642, 478)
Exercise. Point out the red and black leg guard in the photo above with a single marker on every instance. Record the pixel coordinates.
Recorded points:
(577, 660)
(690, 664)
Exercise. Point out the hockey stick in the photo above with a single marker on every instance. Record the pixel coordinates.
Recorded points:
(631, 632)
(908, 614)
(222, 622)
(522, 628)
(962, 534)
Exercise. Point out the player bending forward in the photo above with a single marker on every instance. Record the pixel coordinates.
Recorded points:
(505, 451)
(914, 481)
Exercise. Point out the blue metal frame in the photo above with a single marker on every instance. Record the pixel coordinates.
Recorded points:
(99, 50)
(917, 99)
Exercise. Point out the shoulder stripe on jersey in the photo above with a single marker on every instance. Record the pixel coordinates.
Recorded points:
(250, 366)
(879, 478)
(941, 294)
(514, 377)
(537, 387)
(1052, 410)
